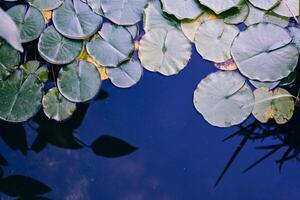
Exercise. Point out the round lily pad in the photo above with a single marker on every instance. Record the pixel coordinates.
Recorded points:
(264, 4)
(114, 46)
(56, 106)
(224, 99)
(188, 9)
(269, 85)
(263, 52)
(33, 67)
(277, 105)
(79, 81)
(219, 6)
(163, 51)
(45, 4)
(123, 12)
(126, 75)
(96, 6)
(20, 97)
(213, 40)
(9, 59)
(288, 8)
(75, 20)
(57, 49)
(29, 20)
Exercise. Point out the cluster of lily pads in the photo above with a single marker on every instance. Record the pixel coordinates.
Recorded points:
(92, 40)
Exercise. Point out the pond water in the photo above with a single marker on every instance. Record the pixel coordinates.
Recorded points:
(179, 155)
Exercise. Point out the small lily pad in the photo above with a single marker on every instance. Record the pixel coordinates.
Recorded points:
(79, 81)
(277, 105)
(9, 59)
(213, 40)
(45, 4)
(263, 52)
(75, 20)
(163, 51)
(224, 99)
(126, 75)
(56, 106)
(33, 67)
(57, 49)
(29, 20)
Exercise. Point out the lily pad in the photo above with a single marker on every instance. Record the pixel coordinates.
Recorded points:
(264, 4)
(33, 67)
(213, 40)
(9, 59)
(154, 17)
(289, 79)
(219, 6)
(224, 99)
(263, 52)
(57, 49)
(188, 9)
(126, 75)
(29, 20)
(79, 81)
(269, 85)
(75, 20)
(45, 4)
(123, 12)
(113, 47)
(56, 106)
(288, 8)
(20, 97)
(163, 51)
(277, 105)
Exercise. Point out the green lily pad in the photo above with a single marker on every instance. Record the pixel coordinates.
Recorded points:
(295, 33)
(277, 105)
(57, 49)
(96, 6)
(10, 33)
(9, 59)
(263, 52)
(45, 4)
(79, 81)
(288, 8)
(264, 4)
(213, 40)
(75, 20)
(20, 97)
(188, 9)
(163, 51)
(126, 75)
(219, 6)
(123, 12)
(29, 20)
(33, 67)
(237, 15)
(289, 79)
(269, 85)
(224, 99)
(56, 106)
(113, 47)
(154, 17)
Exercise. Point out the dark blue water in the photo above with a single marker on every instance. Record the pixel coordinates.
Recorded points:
(180, 156)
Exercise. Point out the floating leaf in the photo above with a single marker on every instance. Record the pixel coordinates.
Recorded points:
(269, 85)
(264, 4)
(263, 52)
(123, 12)
(75, 20)
(9, 31)
(45, 4)
(20, 97)
(56, 106)
(213, 40)
(163, 51)
(237, 15)
(57, 49)
(126, 75)
(289, 79)
(79, 81)
(188, 9)
(22, 186)
(33, 67)
(219, 6)
(114, 46)
(224, 99)
(9, 59)
(268, 105)
(288, 8)
(29, 20)
(111, 147)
